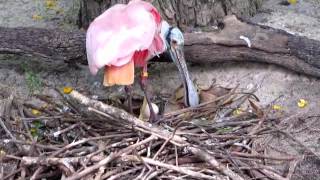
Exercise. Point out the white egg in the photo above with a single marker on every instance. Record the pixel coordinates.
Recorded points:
(146, 112)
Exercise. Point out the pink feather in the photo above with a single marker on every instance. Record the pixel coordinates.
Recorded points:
(117, 35)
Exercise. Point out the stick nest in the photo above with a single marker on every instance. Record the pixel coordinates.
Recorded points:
(83, 138)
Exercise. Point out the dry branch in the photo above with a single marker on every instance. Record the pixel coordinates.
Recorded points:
(109, 158)
(182, 170)
(267, 45)
(211, 160)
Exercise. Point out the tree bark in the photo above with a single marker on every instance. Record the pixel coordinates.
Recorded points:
(50, 44)
(268, 45)
(187, 14)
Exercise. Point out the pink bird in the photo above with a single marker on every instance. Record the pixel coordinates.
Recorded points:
(127, 36)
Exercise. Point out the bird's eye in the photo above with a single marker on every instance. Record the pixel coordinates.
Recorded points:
(174, 42)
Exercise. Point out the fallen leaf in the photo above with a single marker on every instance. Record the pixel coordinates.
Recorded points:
(212, 93)
(37, 17)
(292, 2)
(35, 112)
(302, 103)
(67, 90)
(51, 4)
(277, 107)
(179, 93)
(218, 91)
(256, 109)
(237, 112)
(2, 153)
(205, 87)
(206, 97)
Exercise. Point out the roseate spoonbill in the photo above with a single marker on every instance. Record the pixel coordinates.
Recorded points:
(125, 36)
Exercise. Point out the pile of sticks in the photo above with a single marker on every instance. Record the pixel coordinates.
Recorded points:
(83, 138)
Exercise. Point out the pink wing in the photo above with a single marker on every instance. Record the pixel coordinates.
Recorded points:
(115, 35)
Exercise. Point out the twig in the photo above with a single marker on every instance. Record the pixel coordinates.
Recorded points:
(269, 173)
(258, 156)
(47, 147)
(190, 109)
(7, 131)
(212, 161)
(12, 173)
(166, 142)
(153, 175)
(132, 170)
(57, 133)
(1, 172)
(292, 168)
(20, 108)
(86, 140)
(56, 161)
(6, 114)
(236, 104)
(108, 159)
(36, 173)
(110, 173)
(176, 154)
(297, 141)
(182, 170)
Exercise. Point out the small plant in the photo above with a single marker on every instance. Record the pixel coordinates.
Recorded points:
(33, 80)
(37, 130)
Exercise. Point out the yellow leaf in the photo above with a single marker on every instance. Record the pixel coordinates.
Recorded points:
(302, 103)
(292, 1)
(277, 107)
(51, 4)
(237, 112)
(35, 112)
(67, 90)
(37, 17)
(33, 130)
(2, 153)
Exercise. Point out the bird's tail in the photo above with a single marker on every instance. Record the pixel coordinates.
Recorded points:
(122, 75)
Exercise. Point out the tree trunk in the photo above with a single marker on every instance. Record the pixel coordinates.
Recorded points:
(187, 14)
(51, 44)
(262, 44)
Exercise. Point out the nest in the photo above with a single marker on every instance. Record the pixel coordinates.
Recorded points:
(83, 138)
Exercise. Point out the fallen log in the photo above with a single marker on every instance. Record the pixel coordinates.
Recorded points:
(237, 40)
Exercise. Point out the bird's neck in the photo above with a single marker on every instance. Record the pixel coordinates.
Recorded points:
(165, 29)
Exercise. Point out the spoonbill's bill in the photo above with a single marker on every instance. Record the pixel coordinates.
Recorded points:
(127, 36)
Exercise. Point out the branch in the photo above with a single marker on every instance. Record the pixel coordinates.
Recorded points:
(213, 162)
(108, 159)
(182, 170)
(238, 41)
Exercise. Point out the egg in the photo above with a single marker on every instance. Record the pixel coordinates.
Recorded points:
(146, 112)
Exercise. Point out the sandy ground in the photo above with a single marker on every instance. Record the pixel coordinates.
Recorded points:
(273, 81)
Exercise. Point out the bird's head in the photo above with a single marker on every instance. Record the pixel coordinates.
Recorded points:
(174, 41)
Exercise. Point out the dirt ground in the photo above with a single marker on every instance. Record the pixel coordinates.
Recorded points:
(275, 83)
